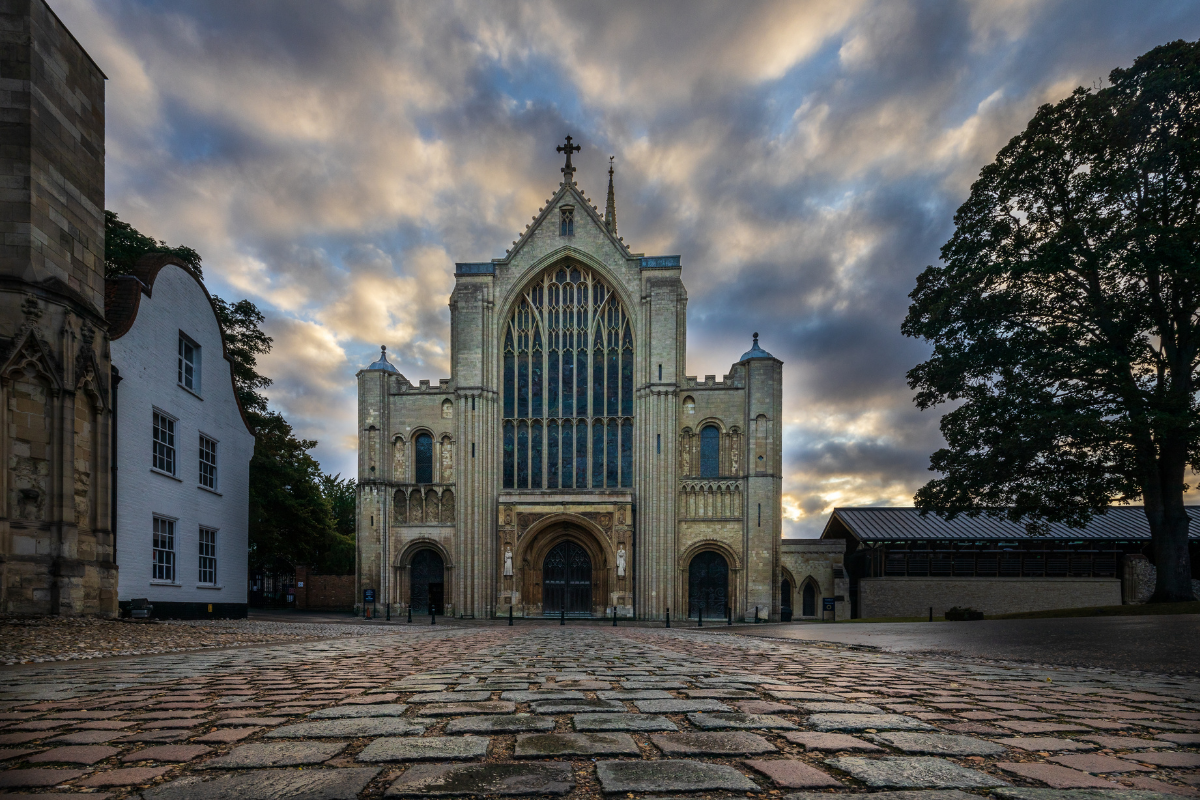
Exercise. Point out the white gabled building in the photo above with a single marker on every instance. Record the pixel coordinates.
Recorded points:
(182, 446)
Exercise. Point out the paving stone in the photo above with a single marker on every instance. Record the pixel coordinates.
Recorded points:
(430, 748)
(357, 712)
(241, 721)
(1168, 791)
(1097, 763)
(87, 737)
(841, 708)
(86, 754)
(268, 784)
(17, 778)
(910, 794)
(639, 694)
(792, 773)
(904, 772)
(499, 779)
(1056, 776)
(736, 721)
(173, 723)
(830, 741)
(367, 699)
(1127, 742)
(1179, 760)
(356, 728)
(574, 706)
(1021, 726)
(7, 754)
(554, 745)
(450, 697)
(1047, 744)
(864, 722)
(275, 754)
(227, 735)
(1120, 793)
(676, 706)
(635, 685)
(462, 709)
(1180, 738)
(500, 723)
(126, 776)
(622, 722)
(711, 744)
(156, 736)
(791, 694)
(528, 695)
(672, 775)
(938, 744)
(168, 752)
(763, 707)
(719, 694)
(20, 738)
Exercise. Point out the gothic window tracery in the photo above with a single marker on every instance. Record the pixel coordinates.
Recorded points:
(568, 367)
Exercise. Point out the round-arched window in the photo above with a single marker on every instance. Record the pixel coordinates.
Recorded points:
(710, 452)
(568, 385)
(424, 458)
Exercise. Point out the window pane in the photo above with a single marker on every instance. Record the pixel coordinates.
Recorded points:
(424, 463)
(568, 474)
(208, 462)
(581, 376)
(552, 384)
(535, 456)
(509, 377)
(627, 453)
(509, 453)
(522, 385)
(611, 472)
(535, 382)
(613, 375)
(552, 455)
(598, 379)
(710, 452)
(581, 454)
(597, 454)
(522, 455)
(627, 377)
(568, 383)
(208, 556)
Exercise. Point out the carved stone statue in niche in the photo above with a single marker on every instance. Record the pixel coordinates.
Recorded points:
(621, 563)
(508, 568)
(398, 470)
(447, 460)
(735, 452)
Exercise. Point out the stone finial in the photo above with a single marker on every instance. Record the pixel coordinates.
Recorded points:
(568, 171)
(610, 211)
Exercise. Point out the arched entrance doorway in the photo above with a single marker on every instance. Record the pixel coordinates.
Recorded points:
(708, 584)
(567, 580)
(810, 600)
(785, 601)
(427, 582)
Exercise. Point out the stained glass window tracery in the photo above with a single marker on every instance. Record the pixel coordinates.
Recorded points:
(568, 366)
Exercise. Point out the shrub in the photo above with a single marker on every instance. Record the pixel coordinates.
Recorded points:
(957, 614)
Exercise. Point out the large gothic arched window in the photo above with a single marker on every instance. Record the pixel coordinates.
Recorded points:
(568, 385)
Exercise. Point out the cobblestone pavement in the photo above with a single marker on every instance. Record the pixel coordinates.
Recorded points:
(586, 712)
(26, 640)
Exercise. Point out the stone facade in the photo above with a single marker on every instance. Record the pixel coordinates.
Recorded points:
(569, 430)
(813, 570)
(56, 542)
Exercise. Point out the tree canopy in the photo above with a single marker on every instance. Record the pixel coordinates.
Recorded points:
(125, 244)
(1065, 320)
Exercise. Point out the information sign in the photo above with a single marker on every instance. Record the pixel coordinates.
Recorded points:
(368, 595)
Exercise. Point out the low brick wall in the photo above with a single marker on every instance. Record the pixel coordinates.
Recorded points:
(912, 597)
(324, 591)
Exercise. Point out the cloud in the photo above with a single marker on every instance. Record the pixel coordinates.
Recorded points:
(331, 161)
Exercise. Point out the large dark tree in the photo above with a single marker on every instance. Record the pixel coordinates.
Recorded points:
(1065, 321)
(125, 244)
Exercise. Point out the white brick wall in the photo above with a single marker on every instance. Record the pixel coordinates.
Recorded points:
(147, 358)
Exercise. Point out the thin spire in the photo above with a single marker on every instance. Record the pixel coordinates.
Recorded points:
(610, 211)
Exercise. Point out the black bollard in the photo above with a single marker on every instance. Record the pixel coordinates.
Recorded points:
(410, 612)
(700, 616)
(931, 613)
(562, 619)
(729, 615)
(432, 615)
(510, 615)
(388, 611)
(756, 615)
(668, 616)
(614, 616)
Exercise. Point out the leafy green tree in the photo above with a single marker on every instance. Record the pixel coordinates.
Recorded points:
(125, 244)
(1065, 321)
(338, 558)
(245, 342)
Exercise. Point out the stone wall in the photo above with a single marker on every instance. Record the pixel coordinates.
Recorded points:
(317, 591)
(1139, 579)
(912, 597)
(56, 542)
(821, 563)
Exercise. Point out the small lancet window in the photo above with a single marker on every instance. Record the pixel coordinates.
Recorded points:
(567, 224)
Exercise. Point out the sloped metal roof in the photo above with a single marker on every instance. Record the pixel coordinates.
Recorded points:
(906, 524)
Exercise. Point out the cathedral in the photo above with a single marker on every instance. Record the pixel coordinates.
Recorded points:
(568, 465)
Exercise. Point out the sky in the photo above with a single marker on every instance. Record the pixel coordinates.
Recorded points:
(331, 161)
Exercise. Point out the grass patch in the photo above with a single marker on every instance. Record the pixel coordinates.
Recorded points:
(1146, 610)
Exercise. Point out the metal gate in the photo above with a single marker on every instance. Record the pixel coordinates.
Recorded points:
(567, 579)
(708, 585)
(426, 582)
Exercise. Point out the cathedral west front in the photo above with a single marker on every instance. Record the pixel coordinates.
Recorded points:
(568, 465)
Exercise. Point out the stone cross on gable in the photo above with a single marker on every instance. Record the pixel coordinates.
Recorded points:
(569, 170)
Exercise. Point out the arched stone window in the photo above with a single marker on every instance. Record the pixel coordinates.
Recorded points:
(424, 458)
(710, 451)
(447, 409)
(689, 405)
(568, 385)
(810, 599)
